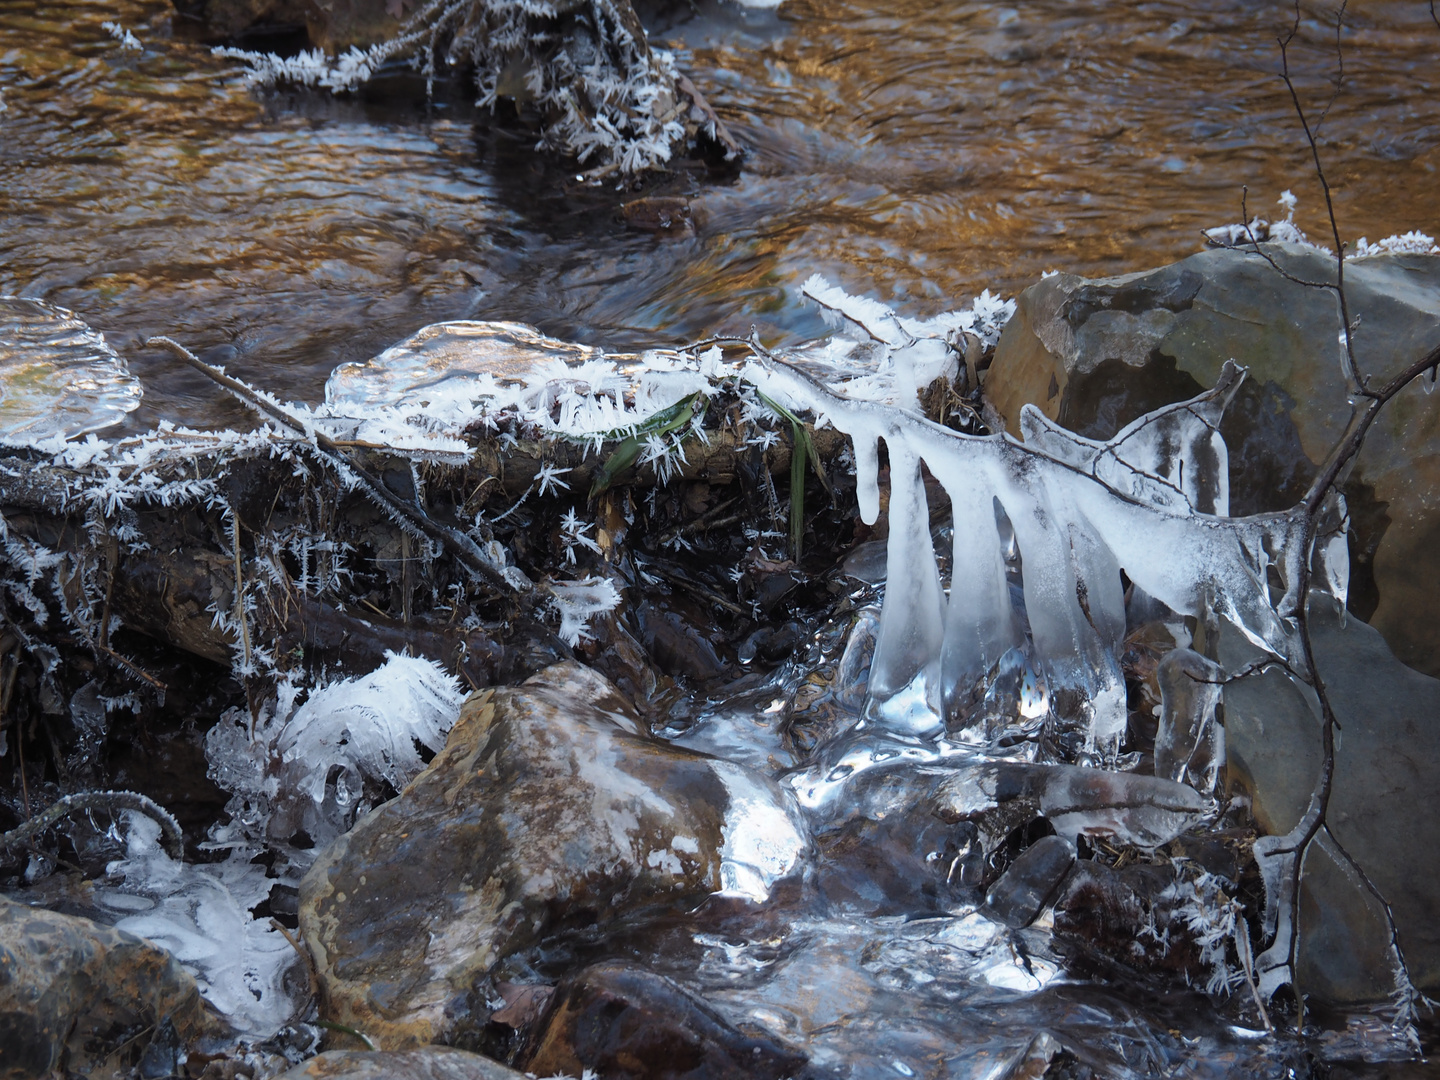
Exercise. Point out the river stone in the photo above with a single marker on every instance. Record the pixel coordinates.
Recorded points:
(426, 1063)
(1382, 806)
(627, 1023)
(548, 808)
(1030, 883)
(1095, 354)
(88, 998)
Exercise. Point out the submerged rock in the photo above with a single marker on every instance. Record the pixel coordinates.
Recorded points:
(548, 809)
(1031, 882)
(426, 1063)
(1382, 808)
(627, 1023)
(1095, 354)
(88, 999)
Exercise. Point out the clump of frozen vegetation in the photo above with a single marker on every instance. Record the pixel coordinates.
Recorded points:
(604, 96)
(898, 357)
(126, 38)
(1410, 243)
(311, 769)
(1259, 230)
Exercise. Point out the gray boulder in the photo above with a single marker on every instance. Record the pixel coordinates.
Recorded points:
(1095, 354)
(1382, 806)
(548, 808)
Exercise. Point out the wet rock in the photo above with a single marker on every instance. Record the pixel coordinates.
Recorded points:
(663, 215)
(87, 998)
(426, 1063)
(680, 637)
(1382, 808)
(627, 1023)
(548, 809)
(1095, 354)
(1031, 882)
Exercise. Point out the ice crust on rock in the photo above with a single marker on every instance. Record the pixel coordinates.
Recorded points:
(451, 377)
(58, 377)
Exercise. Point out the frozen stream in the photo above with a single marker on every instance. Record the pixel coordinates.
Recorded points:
(919, 153)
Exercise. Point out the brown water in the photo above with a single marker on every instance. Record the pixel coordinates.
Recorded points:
(920, 151)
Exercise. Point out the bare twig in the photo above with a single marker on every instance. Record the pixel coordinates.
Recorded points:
(1310, 137)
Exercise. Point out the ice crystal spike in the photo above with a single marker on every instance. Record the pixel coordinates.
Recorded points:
(1150, 502)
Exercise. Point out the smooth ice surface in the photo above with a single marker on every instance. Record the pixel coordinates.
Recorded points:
(201, 914)
(764, 837)
(58, 377)
(1190, 743)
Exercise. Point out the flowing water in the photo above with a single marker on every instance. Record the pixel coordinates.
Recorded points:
(921, 151)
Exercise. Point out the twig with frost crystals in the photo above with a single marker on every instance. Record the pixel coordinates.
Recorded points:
(112, 801)
(330, 452)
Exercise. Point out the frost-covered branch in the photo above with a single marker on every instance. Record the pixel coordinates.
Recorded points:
(110, 801)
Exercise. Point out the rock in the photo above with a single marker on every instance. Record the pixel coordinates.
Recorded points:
(1031, 882)
(548, 809)
(1382, 807)
(627, 1023)
(426, 1063)
(1128, 808)
(89, 999)
(1096, 354)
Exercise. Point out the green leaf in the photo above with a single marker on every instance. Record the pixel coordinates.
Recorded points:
(662, 423)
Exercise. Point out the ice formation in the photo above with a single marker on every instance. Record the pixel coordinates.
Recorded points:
(605, 96)
(58, 377)
(310, 770)
(201, 914)
(126, 38)
(903, 356)
(1151, 502)
(451, 377)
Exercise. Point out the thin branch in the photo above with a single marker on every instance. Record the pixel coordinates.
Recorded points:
(458, 545)
(1324, 183)
(113, 801)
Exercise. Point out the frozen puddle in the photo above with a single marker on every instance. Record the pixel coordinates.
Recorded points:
(58, 377)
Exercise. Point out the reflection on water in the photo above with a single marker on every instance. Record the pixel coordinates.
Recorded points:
(916, 149)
